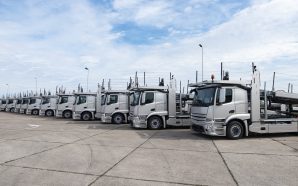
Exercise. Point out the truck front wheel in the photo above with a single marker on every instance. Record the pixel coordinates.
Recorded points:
(67, 114)
(86, 116)
(154, 123)
(235, 130)
(118, 118)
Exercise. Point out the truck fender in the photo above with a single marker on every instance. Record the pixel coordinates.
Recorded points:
(123, 112)
(241, 117)
(159, 115)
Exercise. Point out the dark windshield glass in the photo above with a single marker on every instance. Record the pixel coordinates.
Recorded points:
(134, 97)
(10, 101)
(25, 101)
(103, 99)
(204, 97)
(45, 101)
(3, 102)
(63, 100)
(19, 101)
(32, 101)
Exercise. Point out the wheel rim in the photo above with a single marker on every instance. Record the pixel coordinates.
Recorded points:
(86, 117)
(235, 131)
(67, 115)
(118, 119)
(35, 112)
(155, 123)
(49, 113)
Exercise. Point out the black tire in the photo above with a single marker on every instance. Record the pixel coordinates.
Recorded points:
(118, 118)
(86, 116)
(235, 130)
(67, 114)
(49, 113)
(154, 123)
(12, 110)
(35, 112)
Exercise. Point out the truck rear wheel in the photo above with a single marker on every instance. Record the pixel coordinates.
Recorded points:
(118, 118)
(86, 116)
(235, 130)
(154, 123)
(67, 114)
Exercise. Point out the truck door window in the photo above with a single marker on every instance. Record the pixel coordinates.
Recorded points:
(32, 101)
(82, 99)
(149, 98)
(113, 99)
(64, 100)
(224, 96)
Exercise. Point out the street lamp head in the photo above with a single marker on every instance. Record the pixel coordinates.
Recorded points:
(200, 45)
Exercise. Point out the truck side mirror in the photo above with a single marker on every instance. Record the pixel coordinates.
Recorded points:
(221, 96)
(143, 97)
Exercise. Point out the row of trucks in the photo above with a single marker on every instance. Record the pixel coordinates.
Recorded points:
(217, 107)
(152, 107)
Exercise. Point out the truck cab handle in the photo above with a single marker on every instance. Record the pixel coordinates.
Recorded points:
(66, 106)
(153, 109)
(116, 108)
(231, 111)
(85, 107)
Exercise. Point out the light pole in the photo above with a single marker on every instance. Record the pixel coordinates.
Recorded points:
(200, 45)
(86, 68)
(35, 85)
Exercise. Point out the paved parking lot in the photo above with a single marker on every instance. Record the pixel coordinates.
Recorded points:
(50, 151)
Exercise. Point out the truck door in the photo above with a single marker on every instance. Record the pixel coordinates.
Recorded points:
(224, 104)
(81, 103)
(147, 103)
(112, 104)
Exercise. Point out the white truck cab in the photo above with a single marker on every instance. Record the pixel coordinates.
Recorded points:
(33, 105)
(155, 107)
(65, 105)
(87, 106)
(11, 104)
(115, 106)
(48, 105)
(233, 109)
(24, 105)
(18, 105)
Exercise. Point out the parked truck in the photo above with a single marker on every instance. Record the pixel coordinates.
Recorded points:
(87, 106)
(234, 109)
(65, 105)
(115, 106)
(48, 105)
(11, 104)
(18, 105)
(24, 105)
(33, 105)
(155, 107)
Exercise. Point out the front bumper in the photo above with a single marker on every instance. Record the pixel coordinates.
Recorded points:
(210, 128)
(59, 113)
(42, 112)
(76, 115)
(137, 122)
(106, 118)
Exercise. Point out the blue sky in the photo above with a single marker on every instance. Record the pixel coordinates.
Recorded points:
(54, 40)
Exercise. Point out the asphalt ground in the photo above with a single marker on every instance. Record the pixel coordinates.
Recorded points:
(50, 151)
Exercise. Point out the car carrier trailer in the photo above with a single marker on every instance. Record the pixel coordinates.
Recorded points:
(234, 109)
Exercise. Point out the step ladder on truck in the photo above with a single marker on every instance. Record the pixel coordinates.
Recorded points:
(236, 108)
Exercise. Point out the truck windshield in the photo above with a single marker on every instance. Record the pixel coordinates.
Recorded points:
(134, 98)
(32, 101)
(19, 101)
(25, 101)
(204, 97)
(63, 100)
(103, 99)
(10, 101)
(3, 101)
(45, 101)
